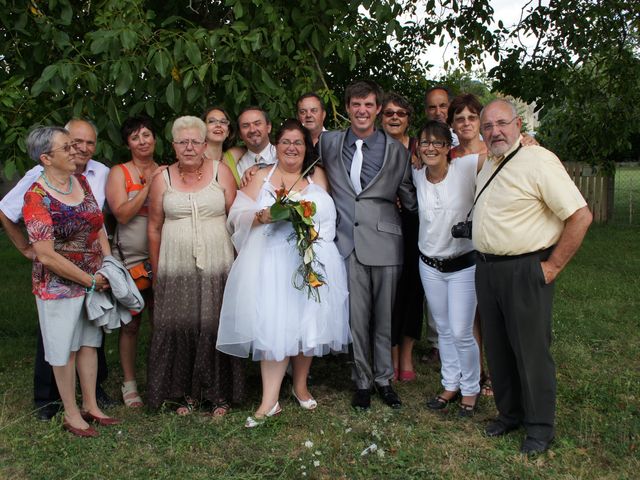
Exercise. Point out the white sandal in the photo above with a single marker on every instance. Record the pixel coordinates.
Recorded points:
(130, 395)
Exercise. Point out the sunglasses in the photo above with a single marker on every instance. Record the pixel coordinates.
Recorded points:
(398, 113)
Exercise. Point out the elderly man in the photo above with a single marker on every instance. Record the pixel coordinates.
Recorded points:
(83, 135)
(368, 170)
(529, 220)
(311, 113)
(254, 128)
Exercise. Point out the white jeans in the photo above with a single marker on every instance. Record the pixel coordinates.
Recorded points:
(452, 301)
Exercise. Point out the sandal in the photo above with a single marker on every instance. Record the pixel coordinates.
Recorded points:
(441, 403)
(486, 388)
(219, 409)
(466, 410)
(187, 407)
(130, 395)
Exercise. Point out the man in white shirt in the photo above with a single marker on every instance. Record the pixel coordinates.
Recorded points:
(84, 136)
(436, 106)
(254, 128)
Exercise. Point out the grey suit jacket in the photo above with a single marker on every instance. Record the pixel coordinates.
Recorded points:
(369, 223)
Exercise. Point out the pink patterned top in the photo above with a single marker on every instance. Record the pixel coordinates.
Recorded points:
(74, 230)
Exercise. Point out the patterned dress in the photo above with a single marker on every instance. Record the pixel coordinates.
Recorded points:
(195, 258)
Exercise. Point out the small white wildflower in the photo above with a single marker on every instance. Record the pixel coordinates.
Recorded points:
(304, 474)
(321, 432)
(308, 444)
(348, 430)
(302, 467)
(316, 463)
(370, 449)
(317, 452)
(380, 453)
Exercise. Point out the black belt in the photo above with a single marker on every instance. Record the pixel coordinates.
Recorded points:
(488, 257)
(448, 265)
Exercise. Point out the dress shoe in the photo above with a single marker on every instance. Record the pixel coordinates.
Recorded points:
(389, 396)
(102, 421)
(310, 404)
(254, 421)
(46, 412)
(104, 400)
(361, 399)
(533, 446)
(498, 428)
(80, 432)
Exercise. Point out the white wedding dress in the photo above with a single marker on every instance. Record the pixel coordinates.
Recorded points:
(262, 312)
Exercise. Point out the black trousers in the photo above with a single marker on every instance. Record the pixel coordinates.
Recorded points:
(516, 312)
(45, 389)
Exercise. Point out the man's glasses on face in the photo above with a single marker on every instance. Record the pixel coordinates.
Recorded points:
(487, 127)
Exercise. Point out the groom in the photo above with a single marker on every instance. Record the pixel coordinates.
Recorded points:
(368, 171)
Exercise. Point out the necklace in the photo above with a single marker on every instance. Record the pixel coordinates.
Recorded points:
(198, 172)
(143, 179)
(283, 176)
(68, 192)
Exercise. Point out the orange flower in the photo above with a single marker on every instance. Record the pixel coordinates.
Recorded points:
(313, 280)
(280, 193)
(308, 208)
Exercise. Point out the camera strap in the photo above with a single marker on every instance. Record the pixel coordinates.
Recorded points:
(502, 164)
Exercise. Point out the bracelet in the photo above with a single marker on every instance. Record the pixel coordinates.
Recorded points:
(93, 285)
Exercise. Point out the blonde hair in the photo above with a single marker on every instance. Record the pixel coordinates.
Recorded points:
(188, 121)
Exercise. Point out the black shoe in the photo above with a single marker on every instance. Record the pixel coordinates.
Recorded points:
(466, 410)
(497, 428)
(47, 411)
(389, 396)
(440, 403)
(533, 446)
(361, 399)
(104, 400)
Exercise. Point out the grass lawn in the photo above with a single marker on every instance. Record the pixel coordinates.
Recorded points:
(596, 347)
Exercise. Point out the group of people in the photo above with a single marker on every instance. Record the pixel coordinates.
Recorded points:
(393, 215)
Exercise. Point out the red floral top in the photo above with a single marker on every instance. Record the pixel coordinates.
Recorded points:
(74, 230)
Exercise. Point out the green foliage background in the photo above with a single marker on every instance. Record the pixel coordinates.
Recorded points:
(109, 59)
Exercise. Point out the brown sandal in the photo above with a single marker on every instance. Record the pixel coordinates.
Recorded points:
(219, 409)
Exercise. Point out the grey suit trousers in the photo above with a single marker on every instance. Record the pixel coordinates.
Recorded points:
(372, 293)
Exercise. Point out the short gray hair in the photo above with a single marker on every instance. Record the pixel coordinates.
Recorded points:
(78, 119)
(40, 140)
(504, 101)
(188, 121)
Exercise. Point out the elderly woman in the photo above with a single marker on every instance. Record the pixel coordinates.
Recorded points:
(127, 192)
(406, 323)
(220, 140)
(445, 191)
(65, 228)
(263, 311)
(191, 255)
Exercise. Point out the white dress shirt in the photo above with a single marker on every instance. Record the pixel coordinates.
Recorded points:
(267, 156)
(11, 204)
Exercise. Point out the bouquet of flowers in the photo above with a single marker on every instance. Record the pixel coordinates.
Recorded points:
(300, 213)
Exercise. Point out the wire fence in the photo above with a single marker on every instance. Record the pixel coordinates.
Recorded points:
(626, 196)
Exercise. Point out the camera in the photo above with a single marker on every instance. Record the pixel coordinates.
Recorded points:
(461, 230)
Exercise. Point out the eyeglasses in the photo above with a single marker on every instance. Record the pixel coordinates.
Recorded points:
(66, 147)
(185, 143)
(436, 144)
(468, 118)
(218, 121)
(486, 127)
(288, 143)
(399, 113)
